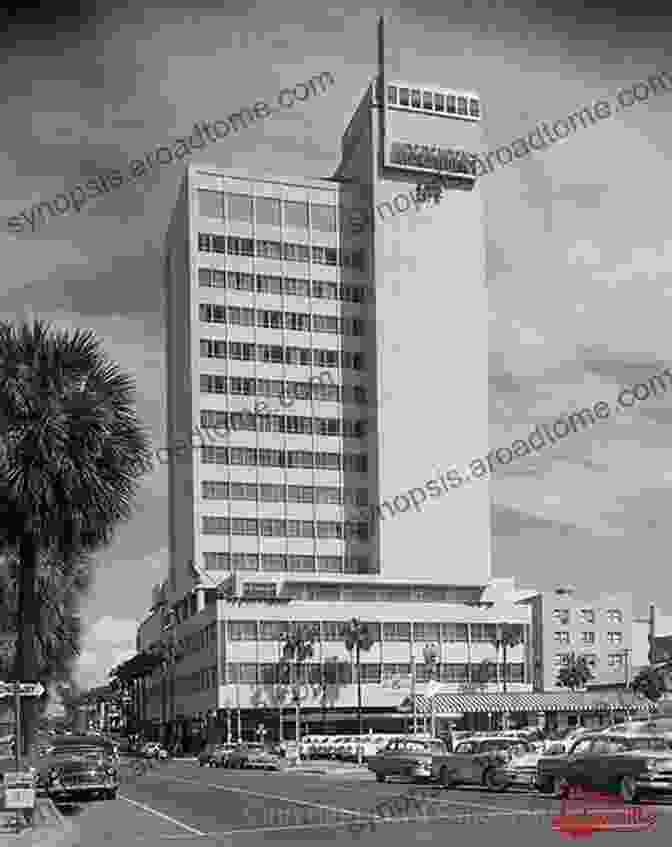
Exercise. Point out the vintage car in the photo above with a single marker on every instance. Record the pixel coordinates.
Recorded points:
(409, 757)
(479, 761)
(253, 756)
(221, 755)
(521, 768)
(628, 765)
(76, 767)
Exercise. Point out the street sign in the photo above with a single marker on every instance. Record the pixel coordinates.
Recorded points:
(23, 689)
(19, 790)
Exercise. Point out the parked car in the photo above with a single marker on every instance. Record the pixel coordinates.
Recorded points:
(205, 756)
(76, 767)
(221, 755)
(254, 756)
(478, 761)
(625, 764)
(521, 768)
(154, 750)
(409, 756)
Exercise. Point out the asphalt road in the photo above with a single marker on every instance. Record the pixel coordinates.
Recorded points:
(178, 804)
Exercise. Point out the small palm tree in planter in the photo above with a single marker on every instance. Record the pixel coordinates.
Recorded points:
(358, 637)
(508, 636)
(297, 649)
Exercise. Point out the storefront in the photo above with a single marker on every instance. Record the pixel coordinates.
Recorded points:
(556, 711)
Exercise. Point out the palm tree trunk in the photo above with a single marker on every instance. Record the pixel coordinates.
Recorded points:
(25, 669)
(359, 703)
(504, 657)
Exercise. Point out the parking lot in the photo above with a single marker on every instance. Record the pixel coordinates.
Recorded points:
(178, 803)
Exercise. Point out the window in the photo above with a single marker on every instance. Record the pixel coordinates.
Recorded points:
(239, 208)
(562, 637)
(483, 632)
(427, 100)
(439, 103)
(403, 97)
(461, 105)
(428, 632)
(296, 214)
(561, 659)
(591, 659)
(370, 673)
(273, 630)
(262, 590)
(267, 211)
(615, 637)
(242, 631)
(269, 250)
(614, 616)
(392, 95)
(588, 637)
(211, 204)
(454, 632)
(333, 630)
(587, 616)
(396, 632)
(415, 98)
(615, 661)
(561, 616)
(474, 108)
(450, 103)
(322, 217)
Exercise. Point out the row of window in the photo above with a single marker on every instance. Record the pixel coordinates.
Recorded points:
(277, 354)
(614, 660)
(313, 495)
(344, 673)
(267, 211)
(234, 245)
(287, 424)
(587, 616)
(334, 673)
(214, 313)
(287, 285)
(391, 631)
(270, 458)
(563, 637)
(283, 563)
(285, 528)
(286, 390)
(429, 101)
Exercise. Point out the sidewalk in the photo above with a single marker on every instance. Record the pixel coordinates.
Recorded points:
(50, 828)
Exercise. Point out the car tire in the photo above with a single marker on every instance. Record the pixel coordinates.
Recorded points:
(628, 789)
(380, 777)
(489, 780)
(445, 778)
(545, 786)
(560, 787)
(111, 795)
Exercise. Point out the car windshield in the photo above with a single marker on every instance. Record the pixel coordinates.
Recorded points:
(659, 744)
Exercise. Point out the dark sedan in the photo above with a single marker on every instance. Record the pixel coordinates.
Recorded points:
(78, 767)
(628, 765)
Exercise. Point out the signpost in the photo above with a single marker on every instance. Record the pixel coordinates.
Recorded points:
(19, 786)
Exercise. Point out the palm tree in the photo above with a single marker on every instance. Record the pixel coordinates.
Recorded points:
(508, 636)
(72, 451)
(650, 682)
(575, 674)
(296, 650)
(59, 594)
(358, 637)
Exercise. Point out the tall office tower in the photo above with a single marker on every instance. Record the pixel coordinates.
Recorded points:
(265, 336)
(427, 346)
(330, 341)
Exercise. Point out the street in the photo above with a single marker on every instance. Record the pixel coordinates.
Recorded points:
(179, 803)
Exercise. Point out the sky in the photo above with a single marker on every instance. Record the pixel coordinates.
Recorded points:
(579, 251)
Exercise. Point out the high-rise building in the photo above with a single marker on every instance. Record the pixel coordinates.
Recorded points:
(327, 373)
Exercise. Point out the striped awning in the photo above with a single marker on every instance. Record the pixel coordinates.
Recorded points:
(569, 701)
